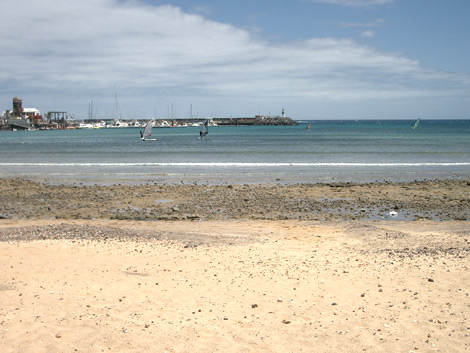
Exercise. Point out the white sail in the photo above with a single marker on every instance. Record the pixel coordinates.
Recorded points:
(415, 125)
(147, 130)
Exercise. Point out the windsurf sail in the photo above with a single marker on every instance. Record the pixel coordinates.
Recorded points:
(204, 129)
(147, 130)
(415, 124)
(309, 127)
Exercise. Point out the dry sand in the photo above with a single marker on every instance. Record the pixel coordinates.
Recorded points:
(242, 286)
(235, 285)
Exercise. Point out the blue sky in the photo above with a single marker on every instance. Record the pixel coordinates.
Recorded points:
(318, 59)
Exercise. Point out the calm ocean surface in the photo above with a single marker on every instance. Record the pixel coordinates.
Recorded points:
(330, 151)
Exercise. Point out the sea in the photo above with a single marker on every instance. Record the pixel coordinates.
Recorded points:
(331, 151)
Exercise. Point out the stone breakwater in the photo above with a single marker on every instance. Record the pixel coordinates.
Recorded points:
(258, 121)
(433, 200)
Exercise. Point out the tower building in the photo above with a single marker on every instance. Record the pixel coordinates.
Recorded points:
(17, 107)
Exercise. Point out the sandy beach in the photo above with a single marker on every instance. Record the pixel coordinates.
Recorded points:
(235, 268)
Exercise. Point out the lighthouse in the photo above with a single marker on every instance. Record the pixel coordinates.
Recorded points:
(283, 114)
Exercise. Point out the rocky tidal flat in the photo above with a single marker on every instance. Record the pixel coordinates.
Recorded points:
(432, 200)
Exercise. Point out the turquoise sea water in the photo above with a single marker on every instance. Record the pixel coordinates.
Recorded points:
(330, 151)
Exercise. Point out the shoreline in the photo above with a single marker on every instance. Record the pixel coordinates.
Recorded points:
(139, 173)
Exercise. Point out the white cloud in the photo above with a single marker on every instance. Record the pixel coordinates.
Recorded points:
(373, 24)
(368, 34)
(355, 3)
(202, 10)
(62, 54)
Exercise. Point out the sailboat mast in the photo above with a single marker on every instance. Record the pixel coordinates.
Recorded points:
(116, 101)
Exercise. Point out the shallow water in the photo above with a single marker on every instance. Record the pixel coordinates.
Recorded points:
(331, 150)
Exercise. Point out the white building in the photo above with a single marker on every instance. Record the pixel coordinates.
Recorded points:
(30, 113)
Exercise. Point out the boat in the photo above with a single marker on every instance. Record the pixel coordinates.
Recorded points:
(164, 124)
(212, 123)
(415, 124)
(204, 129)
(147, 132)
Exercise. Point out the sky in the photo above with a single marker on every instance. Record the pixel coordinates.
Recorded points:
(317, 59)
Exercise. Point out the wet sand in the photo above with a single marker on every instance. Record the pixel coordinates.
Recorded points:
(301, 268)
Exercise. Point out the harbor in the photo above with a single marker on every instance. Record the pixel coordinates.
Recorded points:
(20, 118)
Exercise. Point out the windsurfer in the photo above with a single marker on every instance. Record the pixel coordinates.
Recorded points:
(144, 135)
(204, 130)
